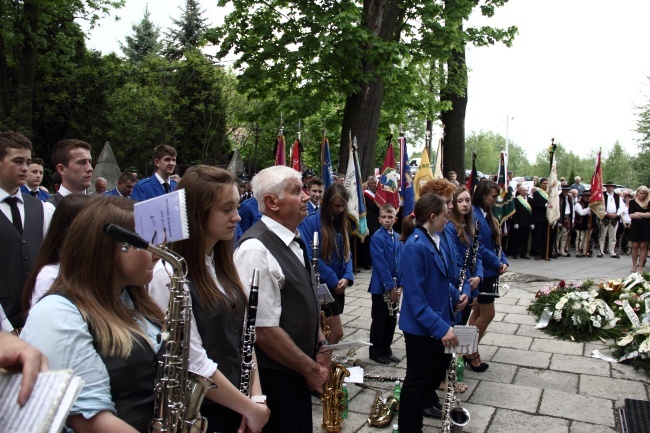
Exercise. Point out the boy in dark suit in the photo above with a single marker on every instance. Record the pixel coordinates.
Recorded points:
(385, 250)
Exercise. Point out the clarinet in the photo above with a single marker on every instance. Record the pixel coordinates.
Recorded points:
(475, 243)
(248, 338)
(496, 281)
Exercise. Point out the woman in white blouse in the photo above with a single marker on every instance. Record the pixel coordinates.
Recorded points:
(218, 299)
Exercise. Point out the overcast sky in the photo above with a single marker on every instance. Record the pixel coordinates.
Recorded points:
(575, 72)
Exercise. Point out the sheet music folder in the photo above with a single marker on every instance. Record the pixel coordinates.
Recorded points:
(162, 219)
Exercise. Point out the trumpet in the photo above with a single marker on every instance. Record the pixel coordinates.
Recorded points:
(393, 307)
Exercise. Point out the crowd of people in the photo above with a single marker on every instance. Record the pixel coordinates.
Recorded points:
(624, 228)
(82, 301)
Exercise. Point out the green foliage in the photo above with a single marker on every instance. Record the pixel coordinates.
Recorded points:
(487, 146)
(642, 163)
(186, 33)
(568, 164)
(616, 167)
(144, 42)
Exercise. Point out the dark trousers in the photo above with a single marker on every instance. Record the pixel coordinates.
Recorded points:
(519, 240)
(382, 328)
(289, 401)
(426, 364)
(220, 418)
(538, 246)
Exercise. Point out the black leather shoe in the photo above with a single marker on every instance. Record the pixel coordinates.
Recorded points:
(432, 412)
(515, 257)
(616, 256)
(538, 257)
(600, 255)
(380, 360)
(393, 358)
(525, 257)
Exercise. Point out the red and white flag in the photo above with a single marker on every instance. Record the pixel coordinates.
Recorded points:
(597, 201)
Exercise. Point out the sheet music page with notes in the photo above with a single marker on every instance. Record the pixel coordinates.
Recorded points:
(467, 340)
(48, 406)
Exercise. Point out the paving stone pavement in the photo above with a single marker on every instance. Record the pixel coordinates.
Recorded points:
(534, 383)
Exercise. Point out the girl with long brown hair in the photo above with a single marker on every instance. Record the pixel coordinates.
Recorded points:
(484, 198)
(98, 320)
(46, 267)
(218, 298)
(335, 264)
(460, 232)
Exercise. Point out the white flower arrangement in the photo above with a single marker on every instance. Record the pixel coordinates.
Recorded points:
(585, 308)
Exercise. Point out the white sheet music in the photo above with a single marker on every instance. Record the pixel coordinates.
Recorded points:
(467, 340)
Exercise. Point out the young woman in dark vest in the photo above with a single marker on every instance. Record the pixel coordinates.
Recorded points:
(218, 299)
(99, 321)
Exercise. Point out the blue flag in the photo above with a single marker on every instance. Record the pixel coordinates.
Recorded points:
(406, 181)
(327, 173)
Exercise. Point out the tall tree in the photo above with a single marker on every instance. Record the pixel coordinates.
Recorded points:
(144, 41)
(642, 163)
(310, 52)
(186, 32)
(25, 27)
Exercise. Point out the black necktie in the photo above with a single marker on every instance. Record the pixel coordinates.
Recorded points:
(166, 186)
(34, 193)
(15, 213)
(303, 247)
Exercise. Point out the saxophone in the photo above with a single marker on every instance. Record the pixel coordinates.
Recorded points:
(248, 338)
(332, 396)
(454, 416)
(381, 409)
(178, 392)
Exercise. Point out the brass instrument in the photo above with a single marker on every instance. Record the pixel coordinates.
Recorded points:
(381, 409)
(454, 416)
(393, 307)
(248, 338)
(332, 396)
(178, 392)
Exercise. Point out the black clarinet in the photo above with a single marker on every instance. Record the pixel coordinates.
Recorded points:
(475, 243)
(248, 338)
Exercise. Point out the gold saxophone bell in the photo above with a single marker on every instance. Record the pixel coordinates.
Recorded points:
(332, 396)
(382, 409)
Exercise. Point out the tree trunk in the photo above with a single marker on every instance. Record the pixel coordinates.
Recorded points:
(362, 109)
(26, 59)
(361, 116)
(453, 154)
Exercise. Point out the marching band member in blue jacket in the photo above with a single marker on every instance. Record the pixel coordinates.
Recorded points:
(427, 311)
(335, 264)
(164, 159)
(385, 249)
(494, 263)
(460, 232)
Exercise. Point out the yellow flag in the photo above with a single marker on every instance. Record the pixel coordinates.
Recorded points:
(424, 173)
(437, 173)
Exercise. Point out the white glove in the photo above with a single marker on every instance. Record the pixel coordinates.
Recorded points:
(532, 226)
(516, 226)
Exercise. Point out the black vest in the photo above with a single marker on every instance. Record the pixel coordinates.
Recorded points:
(221, 332)
(132, 381)
(17, 255)
(300, 310)
(55, 199)
(563, 200)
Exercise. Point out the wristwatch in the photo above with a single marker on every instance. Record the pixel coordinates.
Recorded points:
(259, 399)
(321, 344)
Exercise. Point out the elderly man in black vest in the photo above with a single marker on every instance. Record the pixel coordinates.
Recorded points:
(608, 225)
(291, 350)
(23, 223)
